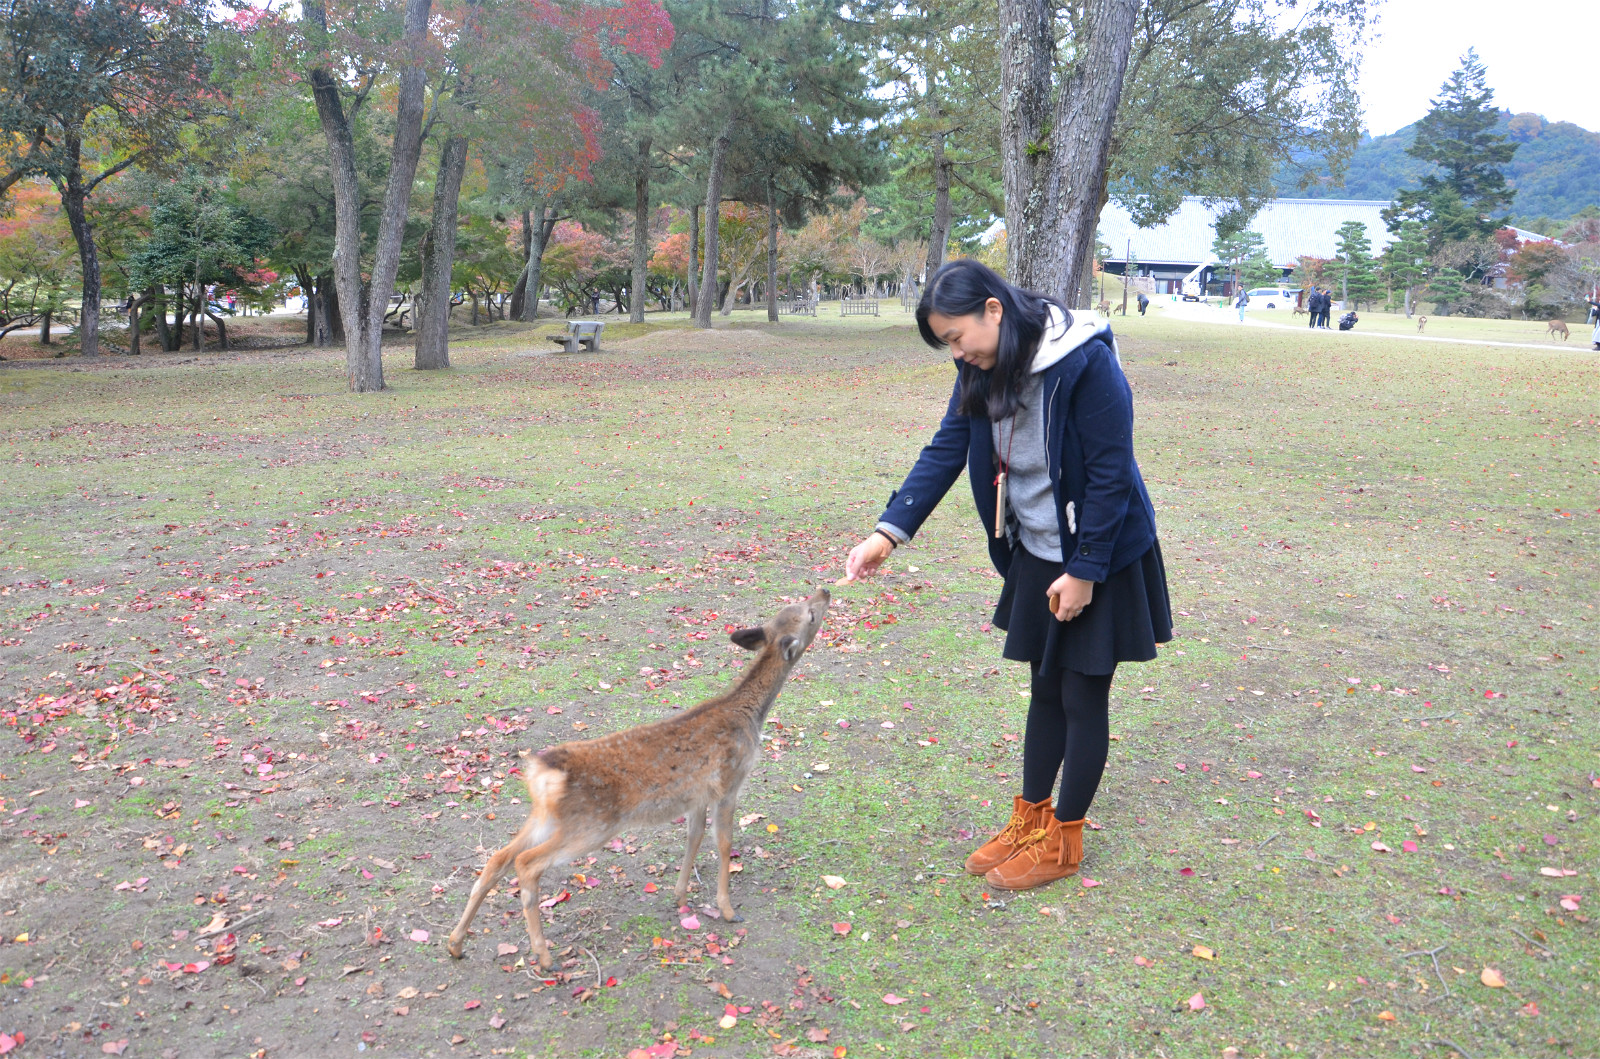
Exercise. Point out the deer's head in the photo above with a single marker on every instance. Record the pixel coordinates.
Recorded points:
(791, 630)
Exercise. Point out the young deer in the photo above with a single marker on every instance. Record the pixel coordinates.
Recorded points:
(586, 792)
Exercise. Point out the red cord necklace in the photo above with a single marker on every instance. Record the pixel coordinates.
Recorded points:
(1000, 482)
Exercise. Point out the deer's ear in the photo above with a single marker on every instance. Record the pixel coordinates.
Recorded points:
(790, 648)
(751, 638)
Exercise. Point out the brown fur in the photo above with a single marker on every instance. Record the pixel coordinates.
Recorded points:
(1557, 326)
(1422, 321)
(1104, 308)
(1299, 310)
(586, 792)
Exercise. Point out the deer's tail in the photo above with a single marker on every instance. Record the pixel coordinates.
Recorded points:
(545, 788)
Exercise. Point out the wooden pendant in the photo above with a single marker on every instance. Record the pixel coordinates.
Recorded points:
(1000, 506)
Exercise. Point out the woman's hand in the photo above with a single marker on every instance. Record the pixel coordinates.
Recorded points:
(866, 557)
(1068, 596)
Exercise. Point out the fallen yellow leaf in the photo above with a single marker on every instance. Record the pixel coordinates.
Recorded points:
(833, 881)
(1491, 978)
(1204, 953)
(1387, 1016)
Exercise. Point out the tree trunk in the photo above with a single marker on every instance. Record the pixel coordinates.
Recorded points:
(543, 227)
(694, 254)
(363, 305)
(199, 307)
(44, 329)
(708, 274)
(322, 311)
(303, 277)
(438, 258)
(521, 289)
(135, 312)
(72, 200)
(772, 252)
(641, 234)
(735, 285)
(222, 329)
(939, 235)
(1053, 155)
(163, 333)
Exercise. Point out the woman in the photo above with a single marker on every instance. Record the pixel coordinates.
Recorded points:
(1042, 418)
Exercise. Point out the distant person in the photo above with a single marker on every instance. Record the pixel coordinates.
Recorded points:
(1327, 307)
(1314, 306)
(1348, 321)
(1144, 303)
(1241, 303)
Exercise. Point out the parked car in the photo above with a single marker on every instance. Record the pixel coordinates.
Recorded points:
(1271, 297)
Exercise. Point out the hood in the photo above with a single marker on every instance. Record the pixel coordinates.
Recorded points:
(1057, 346)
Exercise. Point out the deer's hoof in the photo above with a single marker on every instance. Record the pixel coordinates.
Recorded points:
(733, 917)
(453, 947)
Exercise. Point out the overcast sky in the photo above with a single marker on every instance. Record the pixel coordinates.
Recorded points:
(1541, 56)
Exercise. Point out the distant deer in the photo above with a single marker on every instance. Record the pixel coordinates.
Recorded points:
(1299, 310)
(1422, 321)
(1557, 327)
(586, 792)
(1104, 308)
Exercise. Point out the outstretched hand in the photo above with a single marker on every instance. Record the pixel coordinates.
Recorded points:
(865, 558)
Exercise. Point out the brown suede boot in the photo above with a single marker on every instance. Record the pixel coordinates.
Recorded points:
(1049, 853)
(1026, 817)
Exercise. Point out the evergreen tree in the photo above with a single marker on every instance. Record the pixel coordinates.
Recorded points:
(1406, 261)
(1353, 267)
(1446, 290)
(1244, 253)
(1458, 136)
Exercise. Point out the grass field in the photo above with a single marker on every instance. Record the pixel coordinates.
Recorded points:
(269, 650)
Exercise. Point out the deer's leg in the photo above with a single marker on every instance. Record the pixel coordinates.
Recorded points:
(499, 861)
(723, 821)
(697, 830)
(531, 864)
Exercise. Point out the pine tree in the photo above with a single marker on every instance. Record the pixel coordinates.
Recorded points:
(1244, 255)
(1353, 267)
(1470, 185)
(1406, 261)
(1457, 135)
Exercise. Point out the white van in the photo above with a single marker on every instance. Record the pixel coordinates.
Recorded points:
(1271, 297)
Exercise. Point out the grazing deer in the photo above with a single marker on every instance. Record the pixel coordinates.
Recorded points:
(1104, 308)
(1299, 310)
(1555, 326)
(1422, 321)
(586, 792)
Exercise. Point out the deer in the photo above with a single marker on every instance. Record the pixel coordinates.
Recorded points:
(1422, 321)
(1557, 326)
(586, 792)
(1104, 308)
(1299, 310)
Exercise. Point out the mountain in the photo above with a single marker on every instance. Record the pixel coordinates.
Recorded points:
(1556, 169)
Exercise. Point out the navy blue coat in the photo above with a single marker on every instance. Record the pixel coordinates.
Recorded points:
(1088, 424)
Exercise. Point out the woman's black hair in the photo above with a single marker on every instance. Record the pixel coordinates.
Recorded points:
(963, 288)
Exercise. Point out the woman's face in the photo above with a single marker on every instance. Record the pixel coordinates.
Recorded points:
(974, 339)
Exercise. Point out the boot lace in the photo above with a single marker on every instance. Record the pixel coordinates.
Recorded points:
(1032, 846)
(1012, 829)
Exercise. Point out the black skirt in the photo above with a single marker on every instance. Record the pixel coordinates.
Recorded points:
(1129, 614)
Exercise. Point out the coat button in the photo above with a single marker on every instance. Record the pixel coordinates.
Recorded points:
(909, 501)
(1083, 550)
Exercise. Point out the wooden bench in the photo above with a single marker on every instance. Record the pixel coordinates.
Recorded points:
(859, 307)
(580, 334)
(796, 307)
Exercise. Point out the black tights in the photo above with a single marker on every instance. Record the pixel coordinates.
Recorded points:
(1069, 725)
